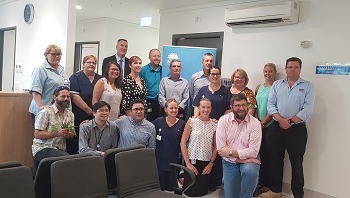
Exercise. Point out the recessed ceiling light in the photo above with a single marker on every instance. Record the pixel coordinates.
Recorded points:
(78, 7)
(146, 21)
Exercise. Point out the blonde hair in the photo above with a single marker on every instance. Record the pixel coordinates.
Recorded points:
(170, 101)
(241, 72)
(55, 47)
(86, 58)
(204, 99)
(271, 65)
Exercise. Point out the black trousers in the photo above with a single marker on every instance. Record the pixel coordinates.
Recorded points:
(265, 171)
(294, 141)
(153, 109)
(201, 186)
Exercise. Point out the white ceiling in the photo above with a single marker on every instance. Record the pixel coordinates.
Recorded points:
(133, 10)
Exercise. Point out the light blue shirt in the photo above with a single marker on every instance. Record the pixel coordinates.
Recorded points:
(152, 79)
(295, 101)
(132, 134)
(168, 88)
(45, 80)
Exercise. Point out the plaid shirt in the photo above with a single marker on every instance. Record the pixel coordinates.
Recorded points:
(44, 121)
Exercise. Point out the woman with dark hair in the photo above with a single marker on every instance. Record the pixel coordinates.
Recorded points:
(108, 89)
(133, 87)
(169, 131)
(82, 86)
(45, 80)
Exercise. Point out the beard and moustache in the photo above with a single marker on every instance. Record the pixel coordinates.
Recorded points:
(63, 104)
(240, 117)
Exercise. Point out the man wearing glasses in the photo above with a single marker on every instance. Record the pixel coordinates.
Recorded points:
(99, 134)
(238, 139)
(291, 103)
(135, 129)
(47, 143)
(175, 87)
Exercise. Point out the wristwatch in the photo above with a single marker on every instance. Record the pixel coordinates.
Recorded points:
(230, 154)
(291, 122)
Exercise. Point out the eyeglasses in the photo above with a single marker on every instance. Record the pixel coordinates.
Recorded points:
(178, 66)
(138, 109)
(90, 63)
(61, 88)
(239, 106)
(239, 78)
(293, 67)
(102, 110)
(215, 74)
(55, 54)
(115, 70)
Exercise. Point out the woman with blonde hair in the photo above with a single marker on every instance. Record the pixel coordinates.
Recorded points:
(239, 80)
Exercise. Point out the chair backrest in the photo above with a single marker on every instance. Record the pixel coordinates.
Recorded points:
(110, 165)
(16, 182)
(79, 177)
(9, 164)
(42, 180)
(136, 172)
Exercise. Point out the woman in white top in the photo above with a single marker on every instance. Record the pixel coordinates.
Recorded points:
(108, 89)
(201, 151)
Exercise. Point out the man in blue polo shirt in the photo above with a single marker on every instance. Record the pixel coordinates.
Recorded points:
(152, 74)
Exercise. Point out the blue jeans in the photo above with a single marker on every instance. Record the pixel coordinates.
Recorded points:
(240, 180)
(45, 153)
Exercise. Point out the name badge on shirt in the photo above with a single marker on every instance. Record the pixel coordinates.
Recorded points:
(301, 89)
(159, 138)
(193, 161)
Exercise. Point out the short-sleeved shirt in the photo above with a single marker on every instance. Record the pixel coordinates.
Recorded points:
(152, 79)
(81, 84)
(178, 90)
(45, 121)
(113, 98)
(94, 140)
(132, 91)
(45, 80)
(132, 134)
(250, 97)
(201, 139)
(220, 100)
(261, 100)
(168, 148)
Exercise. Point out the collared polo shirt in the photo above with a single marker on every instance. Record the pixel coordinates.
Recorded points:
(152, 79)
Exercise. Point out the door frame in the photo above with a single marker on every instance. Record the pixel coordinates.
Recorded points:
(2, 30)
(78, 52)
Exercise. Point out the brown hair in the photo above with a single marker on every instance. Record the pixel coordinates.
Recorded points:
(169, 101)
(293, 59)
(241, 72)
(118, 81)
(271, 65)
(204, 99)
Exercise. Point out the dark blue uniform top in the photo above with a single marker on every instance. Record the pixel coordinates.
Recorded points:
(168, 149)
(80, 84)
(220, 100)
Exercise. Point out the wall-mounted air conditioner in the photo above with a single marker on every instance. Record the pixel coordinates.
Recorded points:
(263, 15)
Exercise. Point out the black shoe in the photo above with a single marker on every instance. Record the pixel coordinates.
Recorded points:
(256, 192)
(212, 188)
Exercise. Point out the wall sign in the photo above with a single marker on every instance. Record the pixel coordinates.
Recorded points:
(333, 69)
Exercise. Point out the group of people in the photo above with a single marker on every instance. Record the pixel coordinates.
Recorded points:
(233, 133)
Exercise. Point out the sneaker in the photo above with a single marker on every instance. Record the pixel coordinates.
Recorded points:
(270, 194)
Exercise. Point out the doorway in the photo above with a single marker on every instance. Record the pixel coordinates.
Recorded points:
(209, 40)
(83, 49)
(7, 58)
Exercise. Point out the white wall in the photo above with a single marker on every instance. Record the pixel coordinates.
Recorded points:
(50, 26)
(107, 31)
(325, 24)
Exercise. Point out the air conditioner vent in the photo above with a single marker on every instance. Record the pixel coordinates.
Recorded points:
(256, 22)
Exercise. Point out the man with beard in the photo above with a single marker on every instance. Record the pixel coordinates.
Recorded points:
(47, 143)
(238, 139)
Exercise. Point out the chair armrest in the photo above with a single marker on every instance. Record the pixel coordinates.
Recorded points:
(174, 167)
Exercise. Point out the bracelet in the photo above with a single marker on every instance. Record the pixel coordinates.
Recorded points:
(212, 161)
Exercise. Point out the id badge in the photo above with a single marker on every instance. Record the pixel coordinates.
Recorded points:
(193, 161)
(159, 138)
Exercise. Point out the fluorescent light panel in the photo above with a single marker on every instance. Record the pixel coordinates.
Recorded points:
(146, 21)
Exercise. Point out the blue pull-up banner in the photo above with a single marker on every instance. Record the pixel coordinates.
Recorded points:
(190, 57)
(333, 70)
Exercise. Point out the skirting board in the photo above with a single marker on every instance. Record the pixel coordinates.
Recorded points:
(286, 189)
